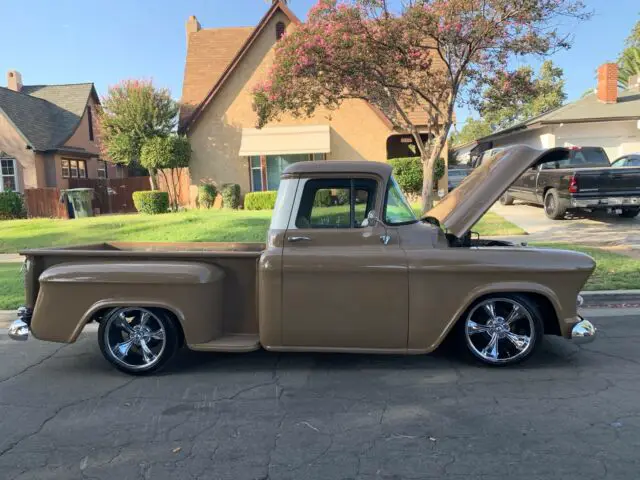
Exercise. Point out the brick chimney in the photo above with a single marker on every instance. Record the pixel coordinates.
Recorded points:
(193, 25)
(14, 80)
(608, 83)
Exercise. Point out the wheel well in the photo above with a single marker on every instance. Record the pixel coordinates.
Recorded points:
(544, 192)
(101, 313)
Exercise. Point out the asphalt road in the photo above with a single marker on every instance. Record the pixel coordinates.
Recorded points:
(570, 413)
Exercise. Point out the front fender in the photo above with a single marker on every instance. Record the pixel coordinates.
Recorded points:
(72, 293)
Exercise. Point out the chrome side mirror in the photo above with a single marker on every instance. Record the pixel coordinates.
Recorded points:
(372, 219)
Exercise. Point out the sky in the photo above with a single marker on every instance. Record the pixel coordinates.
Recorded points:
(105, 41)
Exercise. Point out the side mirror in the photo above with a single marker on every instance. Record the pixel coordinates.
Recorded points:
(372, 219)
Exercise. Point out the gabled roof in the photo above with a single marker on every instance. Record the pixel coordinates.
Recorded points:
(46, 115)
(587, 109)
(190, 117)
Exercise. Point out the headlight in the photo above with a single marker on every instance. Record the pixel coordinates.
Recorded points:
(579, 301)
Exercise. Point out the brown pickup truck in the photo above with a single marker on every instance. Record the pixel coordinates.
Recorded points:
(347, 267)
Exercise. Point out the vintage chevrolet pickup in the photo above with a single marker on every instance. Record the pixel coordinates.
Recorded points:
(347, 267)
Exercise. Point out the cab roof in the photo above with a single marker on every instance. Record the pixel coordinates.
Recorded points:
(338, 166)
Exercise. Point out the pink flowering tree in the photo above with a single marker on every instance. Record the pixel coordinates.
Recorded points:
(428, 54)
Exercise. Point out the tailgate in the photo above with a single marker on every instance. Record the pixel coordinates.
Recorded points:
(609, 181)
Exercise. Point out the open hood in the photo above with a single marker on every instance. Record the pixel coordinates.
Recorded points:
(462, 208)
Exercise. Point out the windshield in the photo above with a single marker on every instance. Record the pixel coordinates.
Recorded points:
(396, 208)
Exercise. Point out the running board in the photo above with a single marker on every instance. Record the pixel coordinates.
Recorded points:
(240, 342)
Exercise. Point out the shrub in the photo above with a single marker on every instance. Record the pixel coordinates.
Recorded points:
(322, 198)
(343, 196)
(408, 173)
(207, 193)
(11, 205)
(230, 195)
(151, 202)
(260, 200)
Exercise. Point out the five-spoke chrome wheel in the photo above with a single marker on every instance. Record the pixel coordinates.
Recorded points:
(501, 330)
(137, 339)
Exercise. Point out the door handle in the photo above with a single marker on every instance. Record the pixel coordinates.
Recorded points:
(298, 239)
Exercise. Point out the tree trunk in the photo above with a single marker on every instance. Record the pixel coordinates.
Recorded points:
(428, 163)
(152, 179)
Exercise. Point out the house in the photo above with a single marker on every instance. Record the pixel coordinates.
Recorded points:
(608, 118)
(222, 66)
(47, 135)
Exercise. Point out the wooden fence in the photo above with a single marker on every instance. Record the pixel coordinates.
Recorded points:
(112, 195)
(45, 202)
(179, 181)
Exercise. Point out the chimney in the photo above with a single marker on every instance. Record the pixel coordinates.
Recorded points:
(193, 25)
(608, 83)
(14, 80)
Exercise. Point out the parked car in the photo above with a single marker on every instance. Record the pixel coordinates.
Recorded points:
(582, 180)
(360, 278)
(455, 176)
(631, 160)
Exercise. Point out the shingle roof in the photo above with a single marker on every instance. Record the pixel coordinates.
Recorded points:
(46, 115)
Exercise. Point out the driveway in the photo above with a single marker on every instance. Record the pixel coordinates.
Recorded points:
(570, 413)
(589, 229)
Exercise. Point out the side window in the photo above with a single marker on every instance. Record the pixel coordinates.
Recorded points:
(336, 203)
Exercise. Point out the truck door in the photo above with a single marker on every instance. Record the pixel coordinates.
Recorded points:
(528, 182)
(344, 284)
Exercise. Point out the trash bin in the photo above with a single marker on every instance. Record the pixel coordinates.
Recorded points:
(81, 201)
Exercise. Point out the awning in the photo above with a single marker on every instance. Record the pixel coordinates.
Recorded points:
(285, 140)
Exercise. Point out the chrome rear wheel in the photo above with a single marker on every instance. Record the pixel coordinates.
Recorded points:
(502, 330)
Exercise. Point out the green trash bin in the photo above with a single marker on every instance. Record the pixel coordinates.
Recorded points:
(81, 201)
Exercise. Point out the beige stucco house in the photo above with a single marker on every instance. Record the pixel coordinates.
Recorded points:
(222, 67)
(47, 135)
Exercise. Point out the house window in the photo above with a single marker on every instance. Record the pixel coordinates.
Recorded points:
(102, 169)
(275, 165)
(90, 118)
(8, 178)
(280, 29)
(74, 168)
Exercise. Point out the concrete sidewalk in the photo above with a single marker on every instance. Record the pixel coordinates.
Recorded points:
(11, 258)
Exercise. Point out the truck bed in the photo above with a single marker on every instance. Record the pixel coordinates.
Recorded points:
(239, 261)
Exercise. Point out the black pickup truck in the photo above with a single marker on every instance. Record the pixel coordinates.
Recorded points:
(585, 180)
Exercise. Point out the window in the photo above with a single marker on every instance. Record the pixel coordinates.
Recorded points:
(280, 29)
(74, 168)
(8, 178)
(275, 165)
(90, 119)
(336, 203)
(396, 208)
(102, 169)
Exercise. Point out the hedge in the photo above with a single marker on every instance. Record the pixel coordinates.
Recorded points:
(11, 205)
(207, 193)
(408, 173)
(151, 202)
(260, 200)
(230, 195)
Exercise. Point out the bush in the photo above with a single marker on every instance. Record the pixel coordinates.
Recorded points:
(207, 193)
(408, 173)
(322, 198)
(230, 195)
(343, 196)
(151, 202)
(260, 200)
(11, 205)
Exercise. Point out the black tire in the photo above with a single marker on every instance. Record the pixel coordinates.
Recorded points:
(153, 346)
(506, 199)
(629, 212)
(554, 207)
(516, 341)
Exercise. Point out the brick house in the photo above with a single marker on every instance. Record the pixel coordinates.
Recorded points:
(47, 135)
(222, 66)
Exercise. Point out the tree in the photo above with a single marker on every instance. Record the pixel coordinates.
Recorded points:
(431, 54)
(132, 112)
(629, 59)
(172, 153)
(472, 130)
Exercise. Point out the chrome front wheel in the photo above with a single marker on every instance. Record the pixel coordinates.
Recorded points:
(137, 340)
(502, 330)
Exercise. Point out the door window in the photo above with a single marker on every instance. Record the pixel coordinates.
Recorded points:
(336, 203)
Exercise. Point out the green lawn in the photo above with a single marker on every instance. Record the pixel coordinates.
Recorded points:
(613, 270)
(189, 226)
(11, 286)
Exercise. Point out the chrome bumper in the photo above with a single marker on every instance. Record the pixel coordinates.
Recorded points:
(583, 332)
(19, 329)
(610, 202)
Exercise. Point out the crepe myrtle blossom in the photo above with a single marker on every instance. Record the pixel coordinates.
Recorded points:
(428, 54)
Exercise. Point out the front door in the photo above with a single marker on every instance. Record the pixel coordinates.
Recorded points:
(343, 287)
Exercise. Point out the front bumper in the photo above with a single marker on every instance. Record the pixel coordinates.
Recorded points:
(583, 332)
